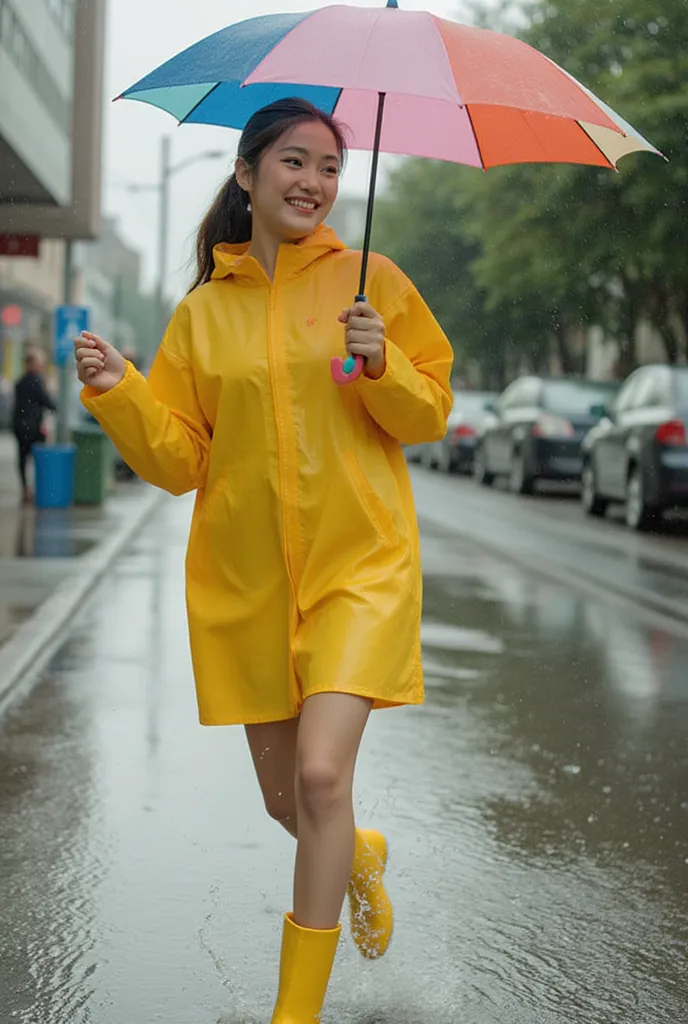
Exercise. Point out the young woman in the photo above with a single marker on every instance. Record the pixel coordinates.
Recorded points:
(303, 566)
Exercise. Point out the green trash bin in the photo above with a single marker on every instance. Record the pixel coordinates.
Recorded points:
(94, 472)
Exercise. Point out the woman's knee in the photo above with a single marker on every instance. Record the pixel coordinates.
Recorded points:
(280, 806)
(322, 788)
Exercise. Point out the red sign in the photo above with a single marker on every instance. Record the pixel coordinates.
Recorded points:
(19, 245)
(11, 316)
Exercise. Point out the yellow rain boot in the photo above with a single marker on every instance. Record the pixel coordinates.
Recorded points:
(305, 967)
(372, 919)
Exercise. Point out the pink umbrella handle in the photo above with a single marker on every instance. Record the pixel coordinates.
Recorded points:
(346, 371)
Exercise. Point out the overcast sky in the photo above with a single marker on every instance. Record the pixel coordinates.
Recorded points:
(141, 35)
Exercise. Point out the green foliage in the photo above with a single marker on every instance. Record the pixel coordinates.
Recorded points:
(515, 260)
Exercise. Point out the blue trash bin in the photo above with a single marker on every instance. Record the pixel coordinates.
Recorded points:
(54, 475)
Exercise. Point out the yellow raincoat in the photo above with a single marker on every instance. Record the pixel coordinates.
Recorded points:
(303, 564)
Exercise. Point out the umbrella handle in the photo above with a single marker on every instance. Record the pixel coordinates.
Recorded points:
(346, 371)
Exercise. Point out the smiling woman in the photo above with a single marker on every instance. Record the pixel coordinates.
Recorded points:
(303, 567)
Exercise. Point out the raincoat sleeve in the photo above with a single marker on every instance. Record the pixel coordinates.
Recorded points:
(413, 398)
(157, 424)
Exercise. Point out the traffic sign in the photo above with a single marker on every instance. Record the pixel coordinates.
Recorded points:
(70, 321)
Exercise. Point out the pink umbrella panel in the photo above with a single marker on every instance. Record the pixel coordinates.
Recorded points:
(403, 82)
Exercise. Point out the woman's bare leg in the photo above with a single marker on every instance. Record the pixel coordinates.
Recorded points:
(273, 749)
(329, 737)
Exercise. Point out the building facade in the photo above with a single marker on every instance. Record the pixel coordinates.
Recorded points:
(51, 72)
(37, 58)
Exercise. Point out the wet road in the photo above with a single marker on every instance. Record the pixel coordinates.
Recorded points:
(551, 528)
(537, 808)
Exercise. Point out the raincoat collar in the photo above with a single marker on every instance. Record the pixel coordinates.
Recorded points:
(292, 259)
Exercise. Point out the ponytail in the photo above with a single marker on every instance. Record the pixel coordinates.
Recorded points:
(228, 220)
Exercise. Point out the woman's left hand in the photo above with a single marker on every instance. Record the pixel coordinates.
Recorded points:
(365, 336)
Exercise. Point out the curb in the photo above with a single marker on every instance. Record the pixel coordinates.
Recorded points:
(37, 639)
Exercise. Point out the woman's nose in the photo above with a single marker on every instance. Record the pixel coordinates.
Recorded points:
(309, 182)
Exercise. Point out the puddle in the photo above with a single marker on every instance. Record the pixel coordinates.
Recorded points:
(436, 670)
(444, 637)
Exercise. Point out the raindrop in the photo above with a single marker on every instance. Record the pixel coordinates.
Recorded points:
(572, 769)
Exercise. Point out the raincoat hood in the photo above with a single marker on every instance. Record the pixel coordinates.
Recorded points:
(294, 257)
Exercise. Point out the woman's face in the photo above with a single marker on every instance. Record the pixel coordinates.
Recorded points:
(296, 182)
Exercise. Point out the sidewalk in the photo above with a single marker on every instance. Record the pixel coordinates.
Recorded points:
(50, 559)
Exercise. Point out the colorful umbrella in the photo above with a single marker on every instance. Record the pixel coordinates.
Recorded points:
(403, 82)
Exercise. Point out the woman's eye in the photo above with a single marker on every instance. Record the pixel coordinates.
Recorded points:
(331, 170)
(293, 160)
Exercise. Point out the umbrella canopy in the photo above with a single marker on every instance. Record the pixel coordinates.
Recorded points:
(403, 82)
(453, 92)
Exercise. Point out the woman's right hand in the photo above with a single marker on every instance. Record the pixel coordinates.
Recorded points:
(98, 364)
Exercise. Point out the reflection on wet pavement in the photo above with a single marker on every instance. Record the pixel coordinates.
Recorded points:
(49, 533)
(539, 529)
(536, 806)
(40, 548)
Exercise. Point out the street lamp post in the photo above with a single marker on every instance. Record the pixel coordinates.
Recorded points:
(167, 172)
(163, 226)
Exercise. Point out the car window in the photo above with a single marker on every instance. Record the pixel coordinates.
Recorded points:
(627, 394)
(531, 391)
(523, 392)
(653, 390)
(511, 397)
(472, 401)
(681, 388)
(576, 398)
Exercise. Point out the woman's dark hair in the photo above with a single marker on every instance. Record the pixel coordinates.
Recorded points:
(229, 218)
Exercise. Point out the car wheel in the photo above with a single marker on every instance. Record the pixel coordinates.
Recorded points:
(639, 515)
(480, 472)
(593, 504)
(519, 481)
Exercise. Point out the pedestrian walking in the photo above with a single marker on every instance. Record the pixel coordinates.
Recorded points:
(31, 401)
(303, 564)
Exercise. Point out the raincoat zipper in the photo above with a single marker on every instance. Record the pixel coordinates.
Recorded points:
(281, 460)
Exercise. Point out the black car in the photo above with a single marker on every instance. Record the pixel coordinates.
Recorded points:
(537, 434)
(638, 453)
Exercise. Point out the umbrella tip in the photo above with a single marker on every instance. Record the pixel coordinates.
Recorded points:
(392, 3)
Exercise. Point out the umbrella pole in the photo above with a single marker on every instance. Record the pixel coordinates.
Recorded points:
(371, 197)
(349, 370)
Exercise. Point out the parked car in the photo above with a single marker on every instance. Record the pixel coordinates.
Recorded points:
(471, 411)
(418, 452)
(413, 452)
(638, 452)
(539, 429)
